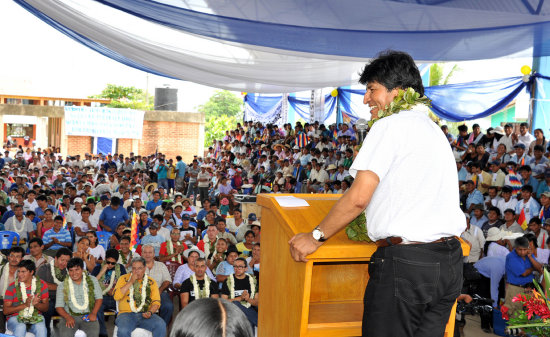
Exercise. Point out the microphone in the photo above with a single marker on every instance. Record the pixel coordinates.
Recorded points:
(361, 126)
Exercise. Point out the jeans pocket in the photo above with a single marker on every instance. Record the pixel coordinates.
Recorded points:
(415, 282)
(376, 267)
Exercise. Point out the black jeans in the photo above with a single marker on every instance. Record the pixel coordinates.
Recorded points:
(412, 289)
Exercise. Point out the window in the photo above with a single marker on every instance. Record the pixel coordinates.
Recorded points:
(20, 130)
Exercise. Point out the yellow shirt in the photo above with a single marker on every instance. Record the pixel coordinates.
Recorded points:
(124, 300)
(171, 172)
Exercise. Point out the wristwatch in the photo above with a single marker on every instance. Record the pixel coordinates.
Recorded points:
(318, 234)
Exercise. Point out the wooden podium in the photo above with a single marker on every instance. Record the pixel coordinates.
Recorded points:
(323, 297)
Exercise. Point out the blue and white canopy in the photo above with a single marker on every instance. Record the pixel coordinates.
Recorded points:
(292, 45)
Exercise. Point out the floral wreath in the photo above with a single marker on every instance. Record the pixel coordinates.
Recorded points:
(114, 276)
(231, 286)
(123, 258)
(205, 293)
(143, 297)
(28, 315)
(57, 275)
(70, 298)
(170, 250)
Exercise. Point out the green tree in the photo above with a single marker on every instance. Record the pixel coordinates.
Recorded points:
(215, 128)
(222, 111)
(126, 97)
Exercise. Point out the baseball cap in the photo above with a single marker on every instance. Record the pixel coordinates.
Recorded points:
(252, 217)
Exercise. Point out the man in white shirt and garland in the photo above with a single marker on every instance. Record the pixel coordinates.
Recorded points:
(417, 241)
(78, 301)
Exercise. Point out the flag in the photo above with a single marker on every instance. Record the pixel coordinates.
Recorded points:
(301, 140)
(10, 178)
(474, 179)
(541, 214)
(522, 162)
(522, 220)
(335, 133)
(134, 237)
(515, 184)
(216, 153)
(60, 212)
(345, 117)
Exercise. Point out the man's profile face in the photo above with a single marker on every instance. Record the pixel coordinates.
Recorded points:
(377, 97)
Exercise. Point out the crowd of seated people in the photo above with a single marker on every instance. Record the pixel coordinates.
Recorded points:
(192, 239)
(504, 180)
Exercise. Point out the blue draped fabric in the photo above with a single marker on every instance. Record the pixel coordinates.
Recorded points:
(262, 108)
(494, 28)
(453, 102)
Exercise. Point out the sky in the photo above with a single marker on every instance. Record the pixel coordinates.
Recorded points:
(38, 60)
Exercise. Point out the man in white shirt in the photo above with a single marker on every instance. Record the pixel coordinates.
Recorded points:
(525, 137)
(473, 236)
(507, 201)
(391, 170)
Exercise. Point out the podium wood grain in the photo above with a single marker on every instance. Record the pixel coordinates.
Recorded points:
(323, 297)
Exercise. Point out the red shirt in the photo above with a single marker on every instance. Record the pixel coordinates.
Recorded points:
(11, 294)
(164, 251)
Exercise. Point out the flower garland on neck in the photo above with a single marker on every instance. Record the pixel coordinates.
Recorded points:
(70, 298)
(123, 258)
(231, 287)
(115, 275)
(7, 278)
(57, 275)
(170, 250)
(406, 99)
(142, 297)
(205, 293)
(208, 245)
(14, 221)
(28, 315)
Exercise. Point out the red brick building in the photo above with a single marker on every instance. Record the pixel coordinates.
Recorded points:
(42, 119)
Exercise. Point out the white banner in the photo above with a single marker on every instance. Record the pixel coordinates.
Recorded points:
(103, 122)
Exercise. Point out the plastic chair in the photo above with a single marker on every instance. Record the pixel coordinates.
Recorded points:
(172, 268)
(103, 238)
(6, 239)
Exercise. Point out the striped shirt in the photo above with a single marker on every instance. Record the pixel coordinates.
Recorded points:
(63, 236)
(11, 295)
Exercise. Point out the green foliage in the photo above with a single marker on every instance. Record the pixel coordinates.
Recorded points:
(222, 111)
(215, 128)
(404, 100)
(222, 103)
(357, 229)
(126, 97)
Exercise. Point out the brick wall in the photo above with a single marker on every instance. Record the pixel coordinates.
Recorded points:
(79, 145)
(124, 146)
(172, 139)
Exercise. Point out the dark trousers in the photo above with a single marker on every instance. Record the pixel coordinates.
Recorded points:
(412, 289)
(48, 316)
(108, 303)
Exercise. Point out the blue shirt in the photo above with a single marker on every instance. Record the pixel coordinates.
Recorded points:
(532, 208)
(201, 214)
(462, 173)
(162, 173)
(63, 235)
(474, 198)
(181, 167)
(112, 217)
(543, 187)
(515, 266)
(151, 204)
(39, 212)
(474, 221)
(154, 241)
(492, 267)
(532, 181)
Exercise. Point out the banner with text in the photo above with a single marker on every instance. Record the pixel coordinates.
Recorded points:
(103, 122)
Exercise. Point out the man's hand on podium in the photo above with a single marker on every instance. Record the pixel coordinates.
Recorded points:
(302, 245)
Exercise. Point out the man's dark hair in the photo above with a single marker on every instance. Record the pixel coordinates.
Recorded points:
(532, 238)
(158, 217)
(75, 262)
(536, 220)
(526, 168)
(495, 209)
(115, 201)
(527, 188)
(112, 253)
(521, 242)
(127, 238)
(58, 217)
(41, 197)
(524, 124)
(37, 240)
(240, 259)
(27, 264)
(17, 249)
(393, 69)
(463, 128)
(538, 148)
(63, 251)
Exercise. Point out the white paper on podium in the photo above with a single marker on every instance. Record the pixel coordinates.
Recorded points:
(290, 201)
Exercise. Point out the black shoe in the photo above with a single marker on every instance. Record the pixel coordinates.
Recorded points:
(100, 335)
(486, 330)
